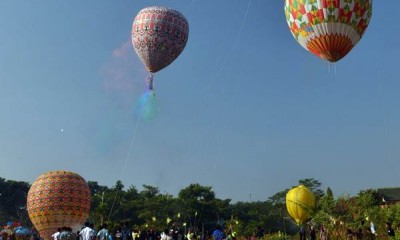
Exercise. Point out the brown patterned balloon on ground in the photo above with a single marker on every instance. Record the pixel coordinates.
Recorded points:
(57, 199)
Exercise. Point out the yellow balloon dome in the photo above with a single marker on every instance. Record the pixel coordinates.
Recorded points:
(299, 201)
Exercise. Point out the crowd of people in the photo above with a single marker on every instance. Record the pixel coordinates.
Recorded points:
(362, 233)
(124, 232)
(15, 231)
(89, 232)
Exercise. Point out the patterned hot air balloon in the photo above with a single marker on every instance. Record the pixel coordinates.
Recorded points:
(57, 199)
(299, 201)
(328, 28)
(159, 36)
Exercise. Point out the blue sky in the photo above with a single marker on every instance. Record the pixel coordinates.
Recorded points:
(244, 109)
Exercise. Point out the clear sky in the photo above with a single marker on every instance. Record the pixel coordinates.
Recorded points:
(244, 109)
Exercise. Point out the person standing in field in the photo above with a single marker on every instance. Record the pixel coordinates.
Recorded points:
(218, 234)
(87, 233)
(103, 234)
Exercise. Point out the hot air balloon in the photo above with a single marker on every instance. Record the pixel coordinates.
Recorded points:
(299, 201)
(328, 28)
(159, 35)
(57, 199)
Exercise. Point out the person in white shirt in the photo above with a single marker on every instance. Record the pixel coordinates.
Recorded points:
(372, 227)
(56, 234)
(87, 233)
(164, 234)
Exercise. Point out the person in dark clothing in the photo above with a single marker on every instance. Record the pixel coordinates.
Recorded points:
(359, 234)
(126, 232)
(313, 234)
(350, 234)
(390, 230)
(260, 232)
(369, 234)
(302, 233)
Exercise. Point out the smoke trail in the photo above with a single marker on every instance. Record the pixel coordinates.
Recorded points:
(122, 73)
(148, 105)
(122, 51)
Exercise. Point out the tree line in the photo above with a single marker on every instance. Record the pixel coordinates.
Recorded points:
(196, 207)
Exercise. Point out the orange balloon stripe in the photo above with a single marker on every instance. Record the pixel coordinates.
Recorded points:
(331, 47)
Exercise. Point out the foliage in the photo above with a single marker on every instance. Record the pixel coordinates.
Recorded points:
(314, 186)
(277, 236)
(196, 207)
(13, 201)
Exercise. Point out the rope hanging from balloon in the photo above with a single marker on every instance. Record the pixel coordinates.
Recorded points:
(130, 150)
(212, 136)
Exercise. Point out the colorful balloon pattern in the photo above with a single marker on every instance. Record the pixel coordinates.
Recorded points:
(299, 201)
(57, 199)
(159, 36)
(328, 28)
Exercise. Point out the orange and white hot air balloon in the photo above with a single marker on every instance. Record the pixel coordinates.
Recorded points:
(328, 28)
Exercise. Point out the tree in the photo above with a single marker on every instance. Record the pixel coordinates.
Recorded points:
(149, 192)
(118, 186)
(13, 200)
(197, 192)
(314, 186)
(200, 206)
(329, 192)
(149, 205)
(323, 213)
(366, 208)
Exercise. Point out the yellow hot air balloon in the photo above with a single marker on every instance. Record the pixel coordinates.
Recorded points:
(299, 201)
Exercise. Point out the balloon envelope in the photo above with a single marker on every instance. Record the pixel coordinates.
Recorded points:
(328, 28)
(159, 35)
(299, 201)
(57, 199)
